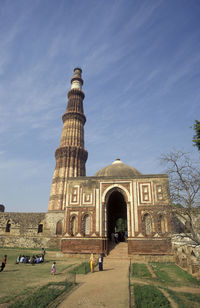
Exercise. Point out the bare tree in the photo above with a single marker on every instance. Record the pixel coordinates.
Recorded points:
(184, 177)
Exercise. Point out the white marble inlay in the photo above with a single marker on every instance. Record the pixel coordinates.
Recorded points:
(97, 210)
(131, 204)
(135, 206)
(100, 204)
(76, 84)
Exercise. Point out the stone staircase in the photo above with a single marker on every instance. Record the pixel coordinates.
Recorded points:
(119, 251)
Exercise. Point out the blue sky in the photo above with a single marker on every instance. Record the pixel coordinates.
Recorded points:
(141, 71)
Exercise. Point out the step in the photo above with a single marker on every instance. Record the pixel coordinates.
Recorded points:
(119, 251)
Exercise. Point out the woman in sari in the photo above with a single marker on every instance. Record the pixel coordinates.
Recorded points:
(92, 263)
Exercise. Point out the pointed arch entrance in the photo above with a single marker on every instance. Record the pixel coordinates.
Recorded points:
(116, 214)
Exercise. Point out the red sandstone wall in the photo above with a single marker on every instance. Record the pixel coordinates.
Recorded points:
(149, 246)
(83, 245)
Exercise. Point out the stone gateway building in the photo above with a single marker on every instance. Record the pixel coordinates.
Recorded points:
(85, 214)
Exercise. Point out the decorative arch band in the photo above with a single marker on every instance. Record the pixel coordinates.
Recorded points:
(116, 187)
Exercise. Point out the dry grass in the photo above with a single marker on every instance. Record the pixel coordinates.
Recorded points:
(19, 279)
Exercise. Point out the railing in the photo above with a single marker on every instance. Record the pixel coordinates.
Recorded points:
(129, 285)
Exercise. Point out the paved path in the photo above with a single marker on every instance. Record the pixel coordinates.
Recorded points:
(107, 289)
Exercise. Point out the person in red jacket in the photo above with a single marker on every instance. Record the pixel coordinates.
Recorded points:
(3, 263)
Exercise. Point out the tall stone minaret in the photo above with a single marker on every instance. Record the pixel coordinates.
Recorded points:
(70, 155)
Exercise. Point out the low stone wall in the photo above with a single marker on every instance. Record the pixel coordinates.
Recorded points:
(30, 242)
(152, 258)
(186, 254)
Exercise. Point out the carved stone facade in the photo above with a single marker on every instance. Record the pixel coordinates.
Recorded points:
(143, 202)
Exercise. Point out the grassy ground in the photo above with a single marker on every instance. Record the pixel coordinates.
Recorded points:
(83, 268)
(185, 300)
(43, 296)
(140, 271)
(171, 274)
(169, 279)
(21, 279)
(148, 296)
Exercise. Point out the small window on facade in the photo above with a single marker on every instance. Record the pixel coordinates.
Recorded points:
(59, 228)
(8, 226)
(40, 228)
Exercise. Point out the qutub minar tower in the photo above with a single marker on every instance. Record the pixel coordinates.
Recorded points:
(70, 155)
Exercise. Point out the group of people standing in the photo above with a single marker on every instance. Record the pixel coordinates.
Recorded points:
(93, 262)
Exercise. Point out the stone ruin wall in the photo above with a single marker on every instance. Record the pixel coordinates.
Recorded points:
(24, 229)
(179, 225)
(186, 252)
(186, 255)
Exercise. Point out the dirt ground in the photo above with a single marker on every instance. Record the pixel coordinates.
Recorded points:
(108, 288)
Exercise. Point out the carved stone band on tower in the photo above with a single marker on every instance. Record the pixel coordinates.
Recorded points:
(70, 155)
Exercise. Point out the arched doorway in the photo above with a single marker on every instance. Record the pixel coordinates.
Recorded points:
(116, 216)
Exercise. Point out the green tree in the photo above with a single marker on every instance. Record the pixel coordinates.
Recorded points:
(196, 137)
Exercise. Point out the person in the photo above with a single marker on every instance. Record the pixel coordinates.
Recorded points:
(22, 259)
(92, 263)
(4, 260)
(126, 236)
(101, 262)
(18, 259)
(32, 260)
(53, 268)
(27, 259)
(38, 259)
(43, 254)
(116, 238)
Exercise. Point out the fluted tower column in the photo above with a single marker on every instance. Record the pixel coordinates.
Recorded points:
(70, 155)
